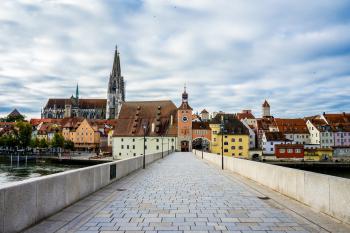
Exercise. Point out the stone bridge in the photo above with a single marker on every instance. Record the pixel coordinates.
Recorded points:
(182, 193)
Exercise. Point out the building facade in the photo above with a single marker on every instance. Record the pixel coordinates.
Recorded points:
(184, 121)
(234, 137)
(149, 123)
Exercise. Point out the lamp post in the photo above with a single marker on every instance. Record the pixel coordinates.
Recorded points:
(162, 147)
(144, 146)
(202, 146)
(222, 143)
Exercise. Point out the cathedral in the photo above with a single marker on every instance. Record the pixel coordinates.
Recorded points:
(91, 108)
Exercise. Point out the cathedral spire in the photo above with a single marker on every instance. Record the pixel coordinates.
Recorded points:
(77, 91)
(116, 63)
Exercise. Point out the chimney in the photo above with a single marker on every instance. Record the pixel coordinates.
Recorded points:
(171, 120)
(153, 127)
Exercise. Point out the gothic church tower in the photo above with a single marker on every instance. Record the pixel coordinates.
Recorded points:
(116, 89)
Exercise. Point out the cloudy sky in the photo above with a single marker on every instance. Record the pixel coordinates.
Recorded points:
(232, 54)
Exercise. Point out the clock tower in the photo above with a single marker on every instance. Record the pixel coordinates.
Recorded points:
(184, 129)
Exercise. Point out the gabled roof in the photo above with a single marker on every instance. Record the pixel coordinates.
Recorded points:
(266, 104)
(337, 118)
(134, 115)
(204, 111)
(291, 126)
(232, 126)
(83, 103)
(15, 113)
(245, 115)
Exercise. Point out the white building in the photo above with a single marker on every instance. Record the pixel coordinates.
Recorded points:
(149, 122)
(320, 133)
(270, 139)
(295, 130)
(252, 135)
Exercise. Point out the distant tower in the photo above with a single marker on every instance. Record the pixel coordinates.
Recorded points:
(116, 89)
(184, 119)
(266, 109)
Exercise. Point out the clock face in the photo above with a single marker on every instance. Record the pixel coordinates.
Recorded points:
(184, 119)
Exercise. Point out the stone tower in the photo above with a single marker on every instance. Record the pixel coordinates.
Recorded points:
(266, 109)
(184, 119)
(116, 89)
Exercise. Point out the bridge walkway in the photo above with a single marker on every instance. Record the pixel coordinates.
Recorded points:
(180, 193)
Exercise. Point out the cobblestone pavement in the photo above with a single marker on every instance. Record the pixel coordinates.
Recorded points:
(183, 194)
(177, 194)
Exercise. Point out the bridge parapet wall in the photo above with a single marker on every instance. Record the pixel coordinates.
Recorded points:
(25, 203)
(323, 193)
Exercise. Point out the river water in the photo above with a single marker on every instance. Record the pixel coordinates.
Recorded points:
(25, 170)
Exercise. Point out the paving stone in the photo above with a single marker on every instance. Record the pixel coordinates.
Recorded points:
(181, 194)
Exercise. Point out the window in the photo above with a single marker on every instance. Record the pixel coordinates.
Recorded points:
(271, 149)
(232, 140)
(120, 154)
(215, 132)
(240, 139)
(225, 136)
(298, 151)
(290, 151)
(133, 146)
(122, 146)
(225, 150)
(271, 143)
(214, 139)
(233, 147)
(134, 154)
(127, 147)
(240, 147)
(145, 147)
(282, 150)
(225, 143)
(157, 140)
(122, 139)
(233, 154)
(157, 147)
(172, 139)
(133, 139)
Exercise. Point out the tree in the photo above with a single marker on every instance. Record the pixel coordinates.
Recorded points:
(24, 134)
(68, 145)
(57, 140)
(34, 143)
(43, 143)
(14, 118)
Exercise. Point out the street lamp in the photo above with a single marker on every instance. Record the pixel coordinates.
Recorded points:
(162, 147)
(202, 146)
(222, 142)
(144, 146)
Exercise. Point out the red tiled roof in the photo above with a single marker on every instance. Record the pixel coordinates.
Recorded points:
(291, 126)
(245, 115)
(134, 115)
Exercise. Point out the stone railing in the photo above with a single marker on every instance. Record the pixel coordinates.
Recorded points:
(27, 202)
(323, 193)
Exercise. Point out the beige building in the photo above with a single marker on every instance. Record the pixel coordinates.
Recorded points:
(83, 133)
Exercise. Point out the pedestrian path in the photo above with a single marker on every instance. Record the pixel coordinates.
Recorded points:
(176, 194)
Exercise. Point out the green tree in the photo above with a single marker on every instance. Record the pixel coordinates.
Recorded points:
(43, 143)
(24, 133)
(34, 143)
(15, 118)
(57, 140)
(68, 145)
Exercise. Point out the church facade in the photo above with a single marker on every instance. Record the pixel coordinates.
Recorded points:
(74, 106)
